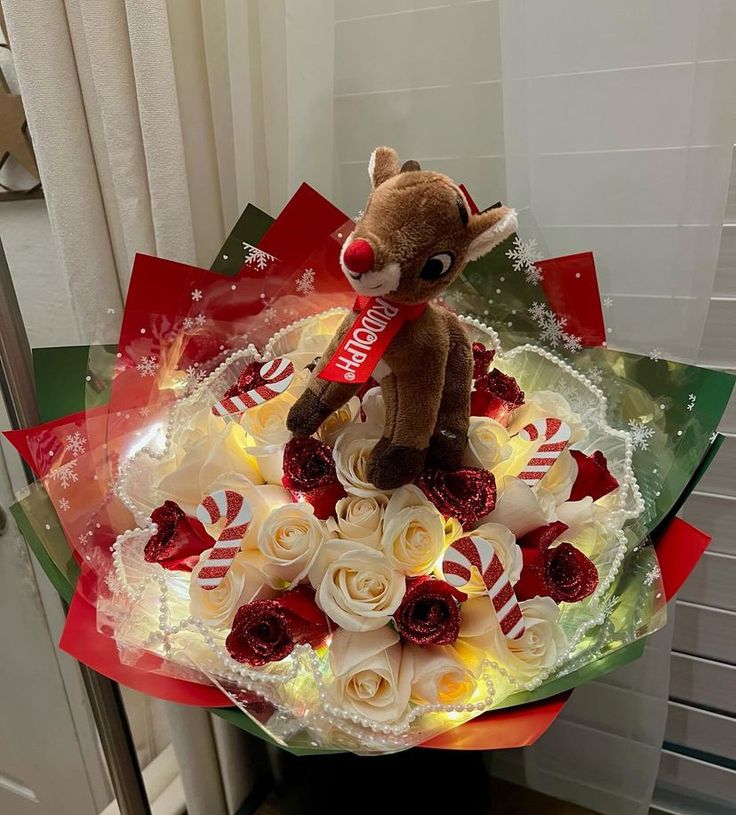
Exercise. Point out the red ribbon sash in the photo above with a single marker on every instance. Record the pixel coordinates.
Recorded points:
(378, 322)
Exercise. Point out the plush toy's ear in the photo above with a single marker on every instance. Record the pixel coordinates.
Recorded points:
(488, 229)
(384, 163)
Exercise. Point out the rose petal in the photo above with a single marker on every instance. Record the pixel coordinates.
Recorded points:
(267, 630)
(482, 359)
(543, 536)
(531, 583)
(260, 634)
(179, 541)
(429, 613)
(467, 494)
(594, 479)
(310, 475)
(570, 575)
(495, 395)
(562, 572)
(518, 508)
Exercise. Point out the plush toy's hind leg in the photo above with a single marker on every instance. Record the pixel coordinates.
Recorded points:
(411, 412)
(450, 436)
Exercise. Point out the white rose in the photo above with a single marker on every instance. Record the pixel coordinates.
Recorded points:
(374, 410)
(266, 424)
(578, 514)
(556, 485)
(270, 462)
(370, 676)
(352, 448)
(518, 508)
(439, 676)
(488, 443)
(359, 519)
(542, 404)
(267, 433)
(477, 619)
(202, 459)
(592, 538)
(413, 532)
(356, 586)
(504, 545)
(312, 344)
(289, 538)
(332, 426)
(244, 582)
(538, 648)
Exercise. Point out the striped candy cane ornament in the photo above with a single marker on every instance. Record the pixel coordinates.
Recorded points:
(471, 551)
(556, 436)
(277, 376)
(236, 510)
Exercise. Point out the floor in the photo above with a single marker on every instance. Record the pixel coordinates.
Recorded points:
(508, 799)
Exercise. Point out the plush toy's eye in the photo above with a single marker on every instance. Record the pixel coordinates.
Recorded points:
(437, 266)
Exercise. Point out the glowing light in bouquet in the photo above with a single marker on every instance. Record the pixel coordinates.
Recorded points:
(402, 538)
(283, 633)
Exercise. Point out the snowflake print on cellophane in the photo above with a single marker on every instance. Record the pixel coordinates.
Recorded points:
(287, 269)
(180, 321)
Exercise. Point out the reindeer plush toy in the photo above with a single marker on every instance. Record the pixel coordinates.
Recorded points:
(413, 239)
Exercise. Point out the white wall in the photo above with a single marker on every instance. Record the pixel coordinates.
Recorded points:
(624, 115)
(613, 122)
(425, 81)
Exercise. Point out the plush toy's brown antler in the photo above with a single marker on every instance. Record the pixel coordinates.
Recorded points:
(414, 239)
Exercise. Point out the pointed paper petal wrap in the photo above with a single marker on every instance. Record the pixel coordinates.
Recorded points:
(181, 322)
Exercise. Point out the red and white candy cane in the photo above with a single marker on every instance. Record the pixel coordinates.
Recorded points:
(236, 510)
(471, 551)
(277, 376)
(556, 435)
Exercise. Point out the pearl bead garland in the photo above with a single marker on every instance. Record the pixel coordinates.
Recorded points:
(330, 717)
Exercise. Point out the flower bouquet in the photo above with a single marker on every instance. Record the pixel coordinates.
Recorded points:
(235, 530)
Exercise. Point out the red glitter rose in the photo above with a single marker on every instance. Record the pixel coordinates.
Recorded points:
(179, 541)
(482, 359)
(543, 536)
(309, 475)
(563, 573)
(495, 395)
(593, 477)
(267, 630)
(429, 613)
(467, 494)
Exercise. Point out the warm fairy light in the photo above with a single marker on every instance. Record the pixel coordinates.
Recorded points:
(154, 436)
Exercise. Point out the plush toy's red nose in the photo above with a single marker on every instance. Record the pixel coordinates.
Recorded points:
(358, 257)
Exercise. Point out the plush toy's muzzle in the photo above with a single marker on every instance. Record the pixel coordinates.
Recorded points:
(358, 258)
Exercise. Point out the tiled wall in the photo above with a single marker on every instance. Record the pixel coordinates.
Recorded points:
(425, 78)
(612, 120)
(700, 740)
(628, 113)
(611, 124)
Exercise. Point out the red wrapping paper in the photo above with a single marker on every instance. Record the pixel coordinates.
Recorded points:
(571, 287)
(81, 640)
(678, 551)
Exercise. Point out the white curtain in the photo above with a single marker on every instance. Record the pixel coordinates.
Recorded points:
(609, 124)
(117, 102)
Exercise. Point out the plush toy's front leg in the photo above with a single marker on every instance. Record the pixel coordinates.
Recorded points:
(412, 399)
(450, 436)
(321, 398)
